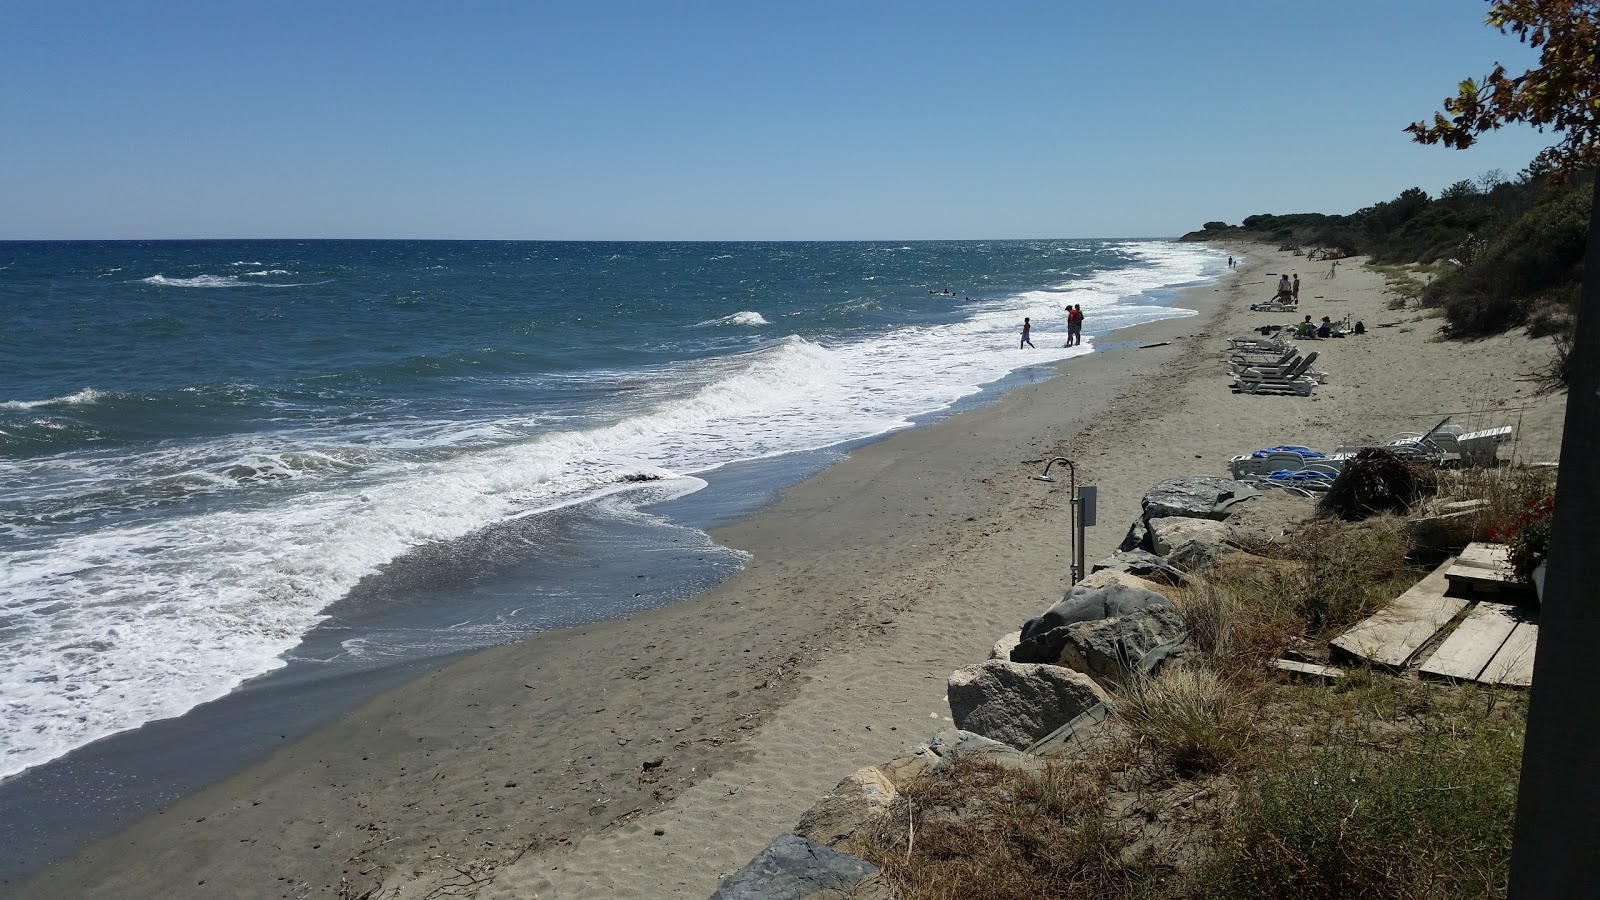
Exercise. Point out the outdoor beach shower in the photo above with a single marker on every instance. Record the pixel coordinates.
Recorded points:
(1081, 500)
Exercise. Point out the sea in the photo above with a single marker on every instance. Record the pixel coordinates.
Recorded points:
(221, 461)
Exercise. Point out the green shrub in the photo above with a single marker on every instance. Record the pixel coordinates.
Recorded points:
(1429, 818)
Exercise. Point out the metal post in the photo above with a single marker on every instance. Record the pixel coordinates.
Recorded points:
(1077, 519)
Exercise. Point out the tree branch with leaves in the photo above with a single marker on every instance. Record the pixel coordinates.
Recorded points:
(1562, 94)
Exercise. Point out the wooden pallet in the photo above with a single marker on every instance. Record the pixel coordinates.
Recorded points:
(1494, 644)
(1484, 568)
(1392, 636)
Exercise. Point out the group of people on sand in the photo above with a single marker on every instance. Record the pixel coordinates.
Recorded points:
(1288, 291)
(1074, 328)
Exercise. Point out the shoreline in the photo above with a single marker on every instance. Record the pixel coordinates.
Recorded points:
(274, 710)
(868, 584)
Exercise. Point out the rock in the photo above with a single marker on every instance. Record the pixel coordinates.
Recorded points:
(1141, 563)
(1195, 496)
(1086, 604)
(1018, 703)
(1108, 577)
(1171, 531)
(1043, 637)
(1110, 649)
(1137, 538)
(1195, 557)
(793, 868)
(858, 801)
(933, 756)
(1002, 647)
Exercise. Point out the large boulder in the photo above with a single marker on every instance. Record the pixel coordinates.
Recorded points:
(857, 802)
(1018, 703)
(1192, 545)
(793, 868)
(1169, 532)
(1043, 637)
(1196, 497)
(1141, 563)
(1110, 650)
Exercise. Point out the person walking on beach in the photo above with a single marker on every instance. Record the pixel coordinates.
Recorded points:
(1297, 287)
(1230, 262)
(1075, 325)
(1027, 326)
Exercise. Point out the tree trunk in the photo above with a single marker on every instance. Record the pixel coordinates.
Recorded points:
(1556, 851)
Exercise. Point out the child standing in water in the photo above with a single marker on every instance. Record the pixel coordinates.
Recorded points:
(1026, 327)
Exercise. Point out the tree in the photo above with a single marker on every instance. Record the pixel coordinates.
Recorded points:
(1560, 94)
(1557, 830)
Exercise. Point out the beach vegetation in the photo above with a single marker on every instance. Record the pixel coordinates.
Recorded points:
(1201, 721)
(1228, 778)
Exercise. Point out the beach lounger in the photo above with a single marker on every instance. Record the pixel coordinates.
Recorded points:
(1289, 367)
(1481, 448)
(1265, 360)
(1421, 446)
(1246, 384)
(1258, 344)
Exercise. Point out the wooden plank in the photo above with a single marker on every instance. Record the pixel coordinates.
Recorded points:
(1309, 670)
(1484, 567)
(1466, 653)
(1395, 633)
(1513, 664)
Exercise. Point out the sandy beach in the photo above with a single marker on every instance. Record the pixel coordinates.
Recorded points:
(650, 756)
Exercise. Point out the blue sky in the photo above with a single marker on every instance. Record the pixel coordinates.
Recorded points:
(731, 120)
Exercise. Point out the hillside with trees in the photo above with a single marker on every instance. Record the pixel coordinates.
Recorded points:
(1505, 252)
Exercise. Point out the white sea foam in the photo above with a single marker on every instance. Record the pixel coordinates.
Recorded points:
(265, 272)
(198, 281)
(81, 398)
(225, 281)
(148, 616)
(744, 317)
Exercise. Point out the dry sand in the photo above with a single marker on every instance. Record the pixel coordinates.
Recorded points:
(521, 769)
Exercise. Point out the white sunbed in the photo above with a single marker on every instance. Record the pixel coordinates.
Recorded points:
(1481, 448)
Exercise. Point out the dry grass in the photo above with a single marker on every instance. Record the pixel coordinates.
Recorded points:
(984, 830)
(1195, 718)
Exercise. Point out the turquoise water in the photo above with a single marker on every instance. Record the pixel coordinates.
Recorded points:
(207, 446)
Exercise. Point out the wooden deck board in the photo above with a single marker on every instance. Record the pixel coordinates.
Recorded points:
(1484, 567)
(1468, 651)
(1513, 663)
(1309, 670)
(1395, 633)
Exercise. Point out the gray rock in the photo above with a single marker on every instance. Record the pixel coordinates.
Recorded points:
(1196, 556)
(1141, 563)
(1043, 637)
(1137, 538)
(1018, 703)
(1172, 531)
(793, 868)
(1110, 649)
(1196, 496)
